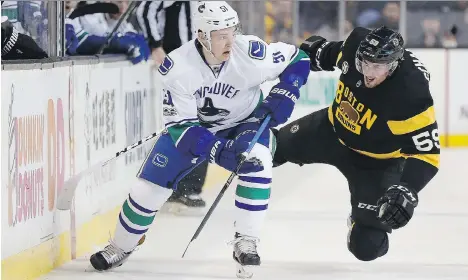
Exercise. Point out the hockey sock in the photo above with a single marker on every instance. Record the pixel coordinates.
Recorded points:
(252, 196)
(138, 212)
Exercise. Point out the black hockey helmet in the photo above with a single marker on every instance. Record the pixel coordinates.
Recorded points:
(382, 45)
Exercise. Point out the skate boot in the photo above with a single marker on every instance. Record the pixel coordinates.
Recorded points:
(111, 256)
(245, 254)
(179, 203)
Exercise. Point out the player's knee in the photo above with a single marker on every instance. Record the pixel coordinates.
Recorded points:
(149, 195)
(278, 159)
(367, 243)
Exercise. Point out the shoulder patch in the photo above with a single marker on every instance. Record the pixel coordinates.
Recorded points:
(166, 65)
(257, 50)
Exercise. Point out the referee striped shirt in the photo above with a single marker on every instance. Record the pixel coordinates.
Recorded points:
(166, 24)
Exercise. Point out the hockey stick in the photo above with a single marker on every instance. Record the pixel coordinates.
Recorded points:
(129, 10)
(229, 181)
(65, 198)
(96, 8)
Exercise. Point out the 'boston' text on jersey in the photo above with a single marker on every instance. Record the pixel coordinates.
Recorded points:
(352, 114)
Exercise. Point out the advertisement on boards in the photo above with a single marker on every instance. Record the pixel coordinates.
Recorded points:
(139, 111)
(457, 95)
(464, 112)
(95, 125)
(33, 169)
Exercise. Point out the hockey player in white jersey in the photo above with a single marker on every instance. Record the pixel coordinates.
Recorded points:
(212, 109)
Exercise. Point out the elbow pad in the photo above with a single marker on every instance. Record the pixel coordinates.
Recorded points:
(296, 73)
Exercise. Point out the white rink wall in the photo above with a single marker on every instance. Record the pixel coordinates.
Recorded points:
(58, 119)
(56, 122)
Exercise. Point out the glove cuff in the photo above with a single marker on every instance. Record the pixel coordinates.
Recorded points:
(287, 90)
(409, 192)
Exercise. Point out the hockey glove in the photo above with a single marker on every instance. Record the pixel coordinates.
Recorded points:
(227, 154)
(136, 50)
(279, 103)
(71, 41)
(396, 207)
(311, 47)
(199, 142)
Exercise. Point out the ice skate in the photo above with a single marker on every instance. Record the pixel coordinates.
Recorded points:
(184, 203)
(111, 256)
(245, 254)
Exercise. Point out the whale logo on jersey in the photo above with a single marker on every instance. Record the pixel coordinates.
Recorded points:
(211, 115)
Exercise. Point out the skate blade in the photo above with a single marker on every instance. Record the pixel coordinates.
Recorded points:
(181, 209)
(245, 271)
(90, 268)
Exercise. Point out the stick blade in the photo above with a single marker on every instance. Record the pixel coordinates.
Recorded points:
(65, 198)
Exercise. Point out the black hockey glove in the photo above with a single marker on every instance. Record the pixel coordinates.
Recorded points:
(396, 207)
(310, 46)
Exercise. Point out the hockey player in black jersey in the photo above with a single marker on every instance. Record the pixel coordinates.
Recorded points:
(380, 132)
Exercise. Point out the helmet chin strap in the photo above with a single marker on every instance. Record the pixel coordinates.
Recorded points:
(208, 49)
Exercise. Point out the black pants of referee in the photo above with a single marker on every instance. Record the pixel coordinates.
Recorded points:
(311, 139)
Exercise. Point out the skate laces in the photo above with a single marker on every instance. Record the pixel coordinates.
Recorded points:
(112, 253)
(245, 244)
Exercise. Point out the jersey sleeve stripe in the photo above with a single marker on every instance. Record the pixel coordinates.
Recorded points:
(340, 55)
(432, 159)
(178, 131)
(169, 124)
(293, 56)
(412, 124)
(299, 55)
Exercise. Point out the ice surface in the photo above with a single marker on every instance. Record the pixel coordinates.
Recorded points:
(305, 235)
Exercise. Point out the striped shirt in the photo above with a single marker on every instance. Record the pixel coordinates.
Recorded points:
(166, 24)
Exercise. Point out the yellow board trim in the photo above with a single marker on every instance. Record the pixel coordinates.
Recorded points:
(454, 140)
(414, 123)
(41, 259)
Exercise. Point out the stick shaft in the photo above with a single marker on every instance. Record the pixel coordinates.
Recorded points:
(229, 181)
(123, 17)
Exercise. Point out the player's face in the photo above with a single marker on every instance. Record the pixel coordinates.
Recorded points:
(374, 73)
(221, 43)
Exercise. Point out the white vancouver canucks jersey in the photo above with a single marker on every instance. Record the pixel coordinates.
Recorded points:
(194, 94)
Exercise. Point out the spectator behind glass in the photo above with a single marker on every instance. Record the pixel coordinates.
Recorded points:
(376, 14)
(320, 18)
(18, 46)
(29, 18)
(87, 33)
(278, 21)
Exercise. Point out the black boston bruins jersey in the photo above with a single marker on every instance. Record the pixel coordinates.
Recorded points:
(394, 119)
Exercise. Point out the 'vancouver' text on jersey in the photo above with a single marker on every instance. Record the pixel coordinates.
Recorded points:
(220, 98)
